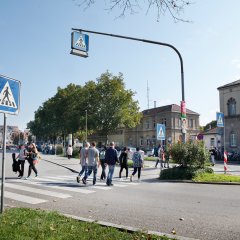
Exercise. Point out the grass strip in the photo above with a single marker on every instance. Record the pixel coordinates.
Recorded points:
(210, 177)
(30, 224)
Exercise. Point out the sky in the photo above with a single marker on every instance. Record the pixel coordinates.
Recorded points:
(35, 42)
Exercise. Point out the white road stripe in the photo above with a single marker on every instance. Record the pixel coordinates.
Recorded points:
(37, 190)
(74, 188)
(23, 198)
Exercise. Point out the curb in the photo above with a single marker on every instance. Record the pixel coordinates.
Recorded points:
(127, 228)
(189, 181)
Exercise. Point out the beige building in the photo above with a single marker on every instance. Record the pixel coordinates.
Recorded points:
(229, 96)
(144, 135)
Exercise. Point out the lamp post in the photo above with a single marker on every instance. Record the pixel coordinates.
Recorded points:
(86, 124)
(151, 42)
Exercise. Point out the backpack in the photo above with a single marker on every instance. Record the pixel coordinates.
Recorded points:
(15, 165)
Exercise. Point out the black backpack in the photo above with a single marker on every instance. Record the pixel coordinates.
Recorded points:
(15, 165)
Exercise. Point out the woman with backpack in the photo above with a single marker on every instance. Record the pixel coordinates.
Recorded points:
(137, 164)
(32, 160)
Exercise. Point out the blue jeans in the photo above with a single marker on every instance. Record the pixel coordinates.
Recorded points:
(84, 169)
(89, 171)
(110, 174)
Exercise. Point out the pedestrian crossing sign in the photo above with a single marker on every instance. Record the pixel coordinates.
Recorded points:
(220, 119)
(9, 95)
(161, 130)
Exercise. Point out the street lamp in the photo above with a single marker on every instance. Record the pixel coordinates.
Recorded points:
(86, 124)
(152, 42)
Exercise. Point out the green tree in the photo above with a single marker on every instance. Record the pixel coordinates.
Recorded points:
(173, 7)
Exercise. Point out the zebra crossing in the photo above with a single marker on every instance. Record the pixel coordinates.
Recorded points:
(57, 187)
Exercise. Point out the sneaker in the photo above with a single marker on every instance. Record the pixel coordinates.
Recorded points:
(78, 179)
(94, 182)
(36, 175)
(84, 181)
(131, 178)
(26, 178)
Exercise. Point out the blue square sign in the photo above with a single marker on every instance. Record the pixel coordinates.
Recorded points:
(161, 131)
(80, 41)
(9, 95)
(220, 119)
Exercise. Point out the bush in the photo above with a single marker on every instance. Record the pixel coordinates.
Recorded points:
(190, 154)
(183, 173)
(75, 153)
(59, 150)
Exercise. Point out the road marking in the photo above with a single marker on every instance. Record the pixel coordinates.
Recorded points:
(35, 190)
(74, 188)
(23, 198)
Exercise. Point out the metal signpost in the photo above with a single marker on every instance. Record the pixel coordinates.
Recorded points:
(76, 50)
(9, 104)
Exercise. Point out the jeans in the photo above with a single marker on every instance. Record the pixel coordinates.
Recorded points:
(139, 171)
(110, 174)
(89, 171)
(103, 175)
(31, 167)
(84, 169)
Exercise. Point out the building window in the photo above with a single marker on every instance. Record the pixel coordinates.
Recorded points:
(164, 121)
(190, 123)
(233, 140)
(180, 123)
(154, 123)
(212, 142)
(231, 107)
(147, 124)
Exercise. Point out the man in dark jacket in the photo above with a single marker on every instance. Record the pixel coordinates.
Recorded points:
(111, 159)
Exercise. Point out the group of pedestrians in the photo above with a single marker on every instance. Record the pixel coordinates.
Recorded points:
(91, 159)
(162, 157)
(30, 154)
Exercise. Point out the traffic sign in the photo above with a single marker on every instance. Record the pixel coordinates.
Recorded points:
(161, 131)
(220, 119)
(80, 44)
(9, 95)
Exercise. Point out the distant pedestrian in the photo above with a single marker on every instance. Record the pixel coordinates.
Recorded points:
(32, 160)
(160, 157)
(21, 159)
(123, 159)
(111, 158)
(93, 163)
(213, 153)
(137, 164)
(102, 154)
(83, 161)
(69, 151)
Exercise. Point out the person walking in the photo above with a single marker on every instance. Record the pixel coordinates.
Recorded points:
(102, 162)
(83, 161)
(123, 159)
(111, 158)
(137, 164)
(21, 159)
(69, 151)
(32, 160)
(160, 157)
(93, 163)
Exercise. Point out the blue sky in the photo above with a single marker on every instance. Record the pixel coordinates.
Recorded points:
(35, 45)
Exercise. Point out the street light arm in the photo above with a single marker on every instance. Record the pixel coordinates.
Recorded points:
(146, 41)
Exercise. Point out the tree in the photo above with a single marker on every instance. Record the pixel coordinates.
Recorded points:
(173, 7)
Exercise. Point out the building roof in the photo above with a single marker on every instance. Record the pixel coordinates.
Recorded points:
(167, 108)
(232, 84)
(216, 130)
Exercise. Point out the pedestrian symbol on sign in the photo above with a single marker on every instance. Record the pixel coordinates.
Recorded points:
(80, 42)
(220, 119)
(6, 97)
(161, 130)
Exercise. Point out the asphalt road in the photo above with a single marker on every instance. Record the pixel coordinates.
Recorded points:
(197, 211)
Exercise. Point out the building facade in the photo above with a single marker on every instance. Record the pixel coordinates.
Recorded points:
(229, 98)
(144, 135)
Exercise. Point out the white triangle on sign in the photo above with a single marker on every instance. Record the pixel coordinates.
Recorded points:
(80, 42)
(6, 97)
(160, 133)
(220, 121)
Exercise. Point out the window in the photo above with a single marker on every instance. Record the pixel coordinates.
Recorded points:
(190, 123)
(231, 107)
(164, 121)
(147, 124)
(212, 142)
(179, 122)
(154, 123)
(233, 139)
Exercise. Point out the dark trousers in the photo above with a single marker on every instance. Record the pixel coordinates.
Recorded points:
(31, 167)
(91, 169)
(122, 167)
(103, 175)
(21, 166)
(137, 169)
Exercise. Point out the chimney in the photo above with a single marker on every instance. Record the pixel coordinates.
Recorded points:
(155, 104)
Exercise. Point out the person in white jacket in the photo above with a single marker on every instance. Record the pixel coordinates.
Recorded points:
(69, 151)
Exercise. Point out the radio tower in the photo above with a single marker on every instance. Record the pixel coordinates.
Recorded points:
(147, 94)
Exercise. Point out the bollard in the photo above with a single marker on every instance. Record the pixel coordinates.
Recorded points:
(225, 162)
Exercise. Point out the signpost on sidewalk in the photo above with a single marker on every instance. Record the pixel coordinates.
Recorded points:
(9, 104)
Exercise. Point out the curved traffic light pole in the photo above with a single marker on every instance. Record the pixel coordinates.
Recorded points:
(151, 42)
